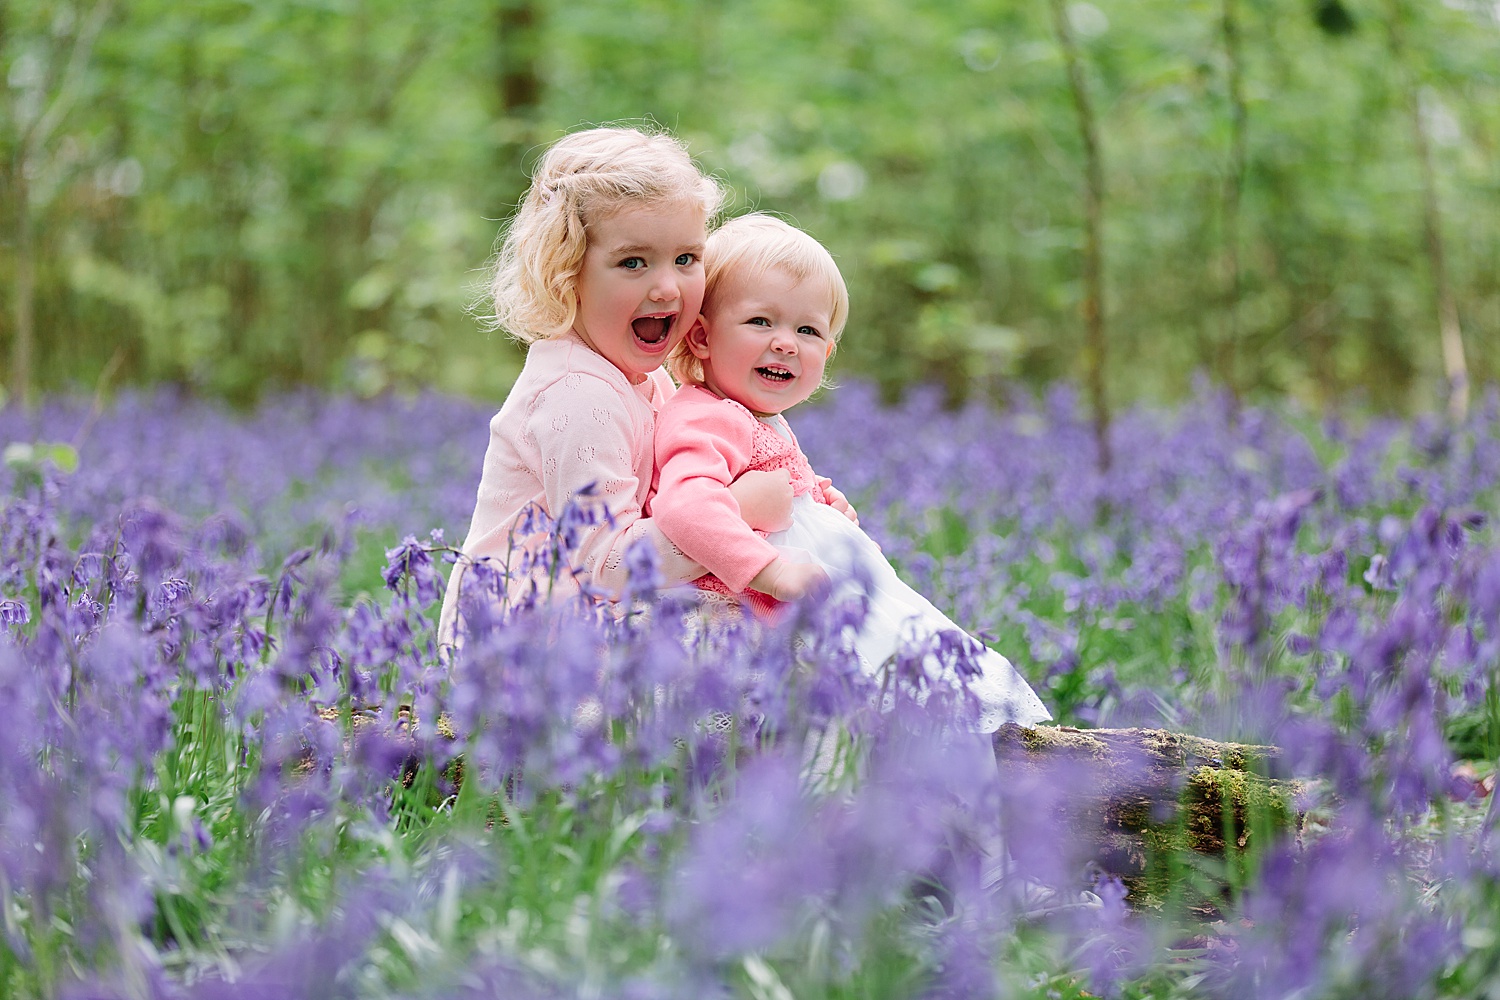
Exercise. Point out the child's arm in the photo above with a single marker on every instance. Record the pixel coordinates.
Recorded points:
(587, 439)
(787, 581)
(700, 450)
(765, 498)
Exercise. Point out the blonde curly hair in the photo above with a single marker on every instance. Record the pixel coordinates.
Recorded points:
(753, 244)
(583, 177)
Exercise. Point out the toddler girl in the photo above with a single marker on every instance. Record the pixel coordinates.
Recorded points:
(601, 273)
(773, 309)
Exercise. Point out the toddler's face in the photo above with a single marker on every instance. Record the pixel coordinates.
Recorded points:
(764, 340)
(641, 284)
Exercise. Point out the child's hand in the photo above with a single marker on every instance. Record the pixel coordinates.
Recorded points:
(787, 581)
(837, 500)
(765, 500)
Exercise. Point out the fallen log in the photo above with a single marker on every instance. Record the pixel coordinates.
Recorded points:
(1135, 803)
(1153, 806)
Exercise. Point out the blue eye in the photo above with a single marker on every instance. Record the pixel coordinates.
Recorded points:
(685, 259)
(633, 263)
(760, 321)
(810, 331)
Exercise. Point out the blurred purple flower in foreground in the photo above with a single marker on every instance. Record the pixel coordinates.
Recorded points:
(235, 765)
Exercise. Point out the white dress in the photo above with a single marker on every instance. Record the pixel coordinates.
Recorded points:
(898, 613)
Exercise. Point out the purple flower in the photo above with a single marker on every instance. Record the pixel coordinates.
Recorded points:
(749, 871)
(153, 537)
(411, 560)
(14, 613)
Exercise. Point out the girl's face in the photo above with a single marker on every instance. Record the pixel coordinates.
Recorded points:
(641, 284)
(765, 340)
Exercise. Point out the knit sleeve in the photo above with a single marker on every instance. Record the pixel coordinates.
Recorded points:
(588, 440)
(700, 450)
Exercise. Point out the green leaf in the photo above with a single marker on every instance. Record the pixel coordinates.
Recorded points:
(26, 456)
(63, 456)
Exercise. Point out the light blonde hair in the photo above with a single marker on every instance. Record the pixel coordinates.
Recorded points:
(584, 177)
(754, 244)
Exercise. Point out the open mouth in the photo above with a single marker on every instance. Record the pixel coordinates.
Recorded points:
(653, 330)
(776, 373)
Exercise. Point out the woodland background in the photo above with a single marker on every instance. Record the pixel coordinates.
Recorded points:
(1296, 198)
(1243, 227)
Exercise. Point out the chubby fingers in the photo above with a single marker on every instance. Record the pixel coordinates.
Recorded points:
(838, 501)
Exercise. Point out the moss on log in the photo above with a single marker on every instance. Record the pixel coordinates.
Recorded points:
(1153, 806)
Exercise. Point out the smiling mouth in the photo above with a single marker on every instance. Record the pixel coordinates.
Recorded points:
(653, 330)
(776, 373)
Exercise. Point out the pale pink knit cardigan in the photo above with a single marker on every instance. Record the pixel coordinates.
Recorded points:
(571, 419)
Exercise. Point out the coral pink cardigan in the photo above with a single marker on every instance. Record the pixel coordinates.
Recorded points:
(703, 443)
(571, 419)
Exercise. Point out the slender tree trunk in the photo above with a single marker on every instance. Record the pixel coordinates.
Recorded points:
(22, 347)
(1455, 367)
(519, 87)
(1234, 185)
(23, 291)
(10, 199)
(31, 138)
(1093, 248)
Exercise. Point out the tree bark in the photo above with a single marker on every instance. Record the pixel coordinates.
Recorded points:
(519, 88)
(1455, 366)
(24, 318)
(1234, 184)
(1093, 247)
(31, 139)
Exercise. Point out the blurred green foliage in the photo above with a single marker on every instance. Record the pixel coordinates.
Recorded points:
(237, 195)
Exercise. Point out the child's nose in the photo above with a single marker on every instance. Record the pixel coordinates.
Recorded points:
(784, 340)
(664, 288)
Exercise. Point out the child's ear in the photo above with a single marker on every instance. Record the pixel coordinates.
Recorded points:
(697, 339)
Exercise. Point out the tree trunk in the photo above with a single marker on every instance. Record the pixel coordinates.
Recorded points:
(8, 155)
(18, 197)
(31, 139)
(1455, 367)
(1093, 248)
(24, 315)
(1139, 799)
(1234, 184)
(519, 88)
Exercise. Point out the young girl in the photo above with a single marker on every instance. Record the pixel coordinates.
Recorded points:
(601, 272)
(773, 310)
